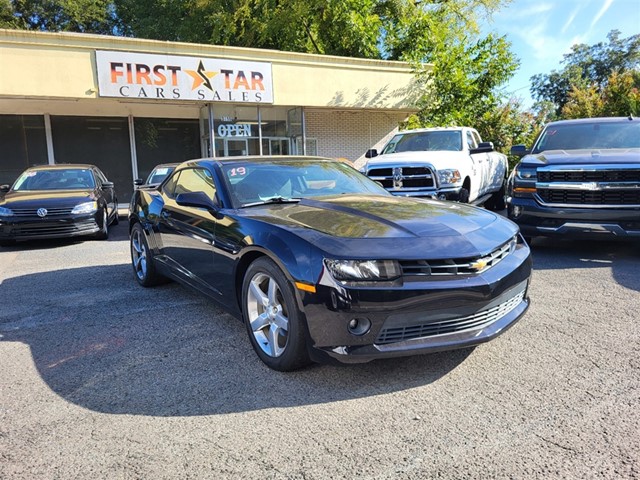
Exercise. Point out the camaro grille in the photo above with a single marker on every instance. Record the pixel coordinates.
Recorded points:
(476, 321)
(582, 197)
(458, 266)
(33, 212)
(403, 177)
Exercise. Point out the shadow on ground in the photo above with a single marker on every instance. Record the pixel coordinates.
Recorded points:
(102, 342)
(622, 257)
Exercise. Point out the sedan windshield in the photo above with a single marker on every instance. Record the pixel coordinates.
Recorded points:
(58, 179)
(575, 136)
(280, 181)
(425, 141)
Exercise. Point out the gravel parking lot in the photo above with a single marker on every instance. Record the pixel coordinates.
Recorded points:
(100, 378)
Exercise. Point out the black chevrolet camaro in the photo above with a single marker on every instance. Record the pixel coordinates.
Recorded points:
(322, 263)
(57, 201)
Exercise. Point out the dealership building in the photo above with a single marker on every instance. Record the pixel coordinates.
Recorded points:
(127, 104)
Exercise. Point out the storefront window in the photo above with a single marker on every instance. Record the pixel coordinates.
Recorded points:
(237, 133)
(22, 143)
(100, 141)
(160, 140)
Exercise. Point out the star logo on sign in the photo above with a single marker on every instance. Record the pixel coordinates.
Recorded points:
(201, 77)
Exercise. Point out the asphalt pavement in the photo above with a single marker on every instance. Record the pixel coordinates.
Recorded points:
(103, 379)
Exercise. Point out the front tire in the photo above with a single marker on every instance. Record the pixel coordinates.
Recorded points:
(142, 262)
(464, 195)
(272, 317)
(103, 234)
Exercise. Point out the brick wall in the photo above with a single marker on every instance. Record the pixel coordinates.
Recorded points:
(349, 134)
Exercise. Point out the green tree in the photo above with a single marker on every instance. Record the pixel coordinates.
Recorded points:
(586, 67)
(86, 16)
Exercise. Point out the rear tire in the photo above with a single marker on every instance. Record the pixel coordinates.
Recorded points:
(271, 315)
(142, 262)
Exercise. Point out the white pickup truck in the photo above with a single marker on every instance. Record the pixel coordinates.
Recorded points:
(445, 163)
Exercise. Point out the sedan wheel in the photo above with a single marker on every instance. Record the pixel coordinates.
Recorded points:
(272, 318)
(103, 234)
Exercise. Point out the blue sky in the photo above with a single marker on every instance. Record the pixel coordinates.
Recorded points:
(541, 31)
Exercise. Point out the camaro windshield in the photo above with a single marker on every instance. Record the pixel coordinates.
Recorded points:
(253, 183)
(425, 141)
(622, 134)
(59, 179)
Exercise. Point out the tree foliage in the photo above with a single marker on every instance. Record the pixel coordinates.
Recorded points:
(86, 16)
(587, 68)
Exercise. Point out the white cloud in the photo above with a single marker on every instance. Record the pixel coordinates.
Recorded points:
(602, 11)
(570, 20)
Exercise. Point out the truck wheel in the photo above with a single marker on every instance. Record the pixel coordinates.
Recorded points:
(463, 197)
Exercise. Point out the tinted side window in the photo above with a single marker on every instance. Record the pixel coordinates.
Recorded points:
(170, 186)
(470, 141)
(196, 180)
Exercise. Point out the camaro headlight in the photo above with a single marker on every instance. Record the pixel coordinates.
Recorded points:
(86, 207)
(362, 270)
(449, 176)
(526, 172)
(5, 212)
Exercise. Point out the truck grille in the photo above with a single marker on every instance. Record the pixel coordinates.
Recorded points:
(581, 197)
(477, 320)
(399, 178)
(545, 176)
(589, 186)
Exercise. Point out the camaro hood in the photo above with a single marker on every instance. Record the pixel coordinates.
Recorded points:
(389, 226)
(439, 159)
(584, 157)
(44, 198)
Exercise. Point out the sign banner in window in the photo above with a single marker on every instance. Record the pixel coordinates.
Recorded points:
(170, 77)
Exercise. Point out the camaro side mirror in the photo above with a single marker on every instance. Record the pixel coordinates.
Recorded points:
(137, 182)
(519, 150)
(198, 200)
(5, 188)
(372, 152)
(107, 185)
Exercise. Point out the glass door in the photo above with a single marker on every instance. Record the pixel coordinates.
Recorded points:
(232, 147)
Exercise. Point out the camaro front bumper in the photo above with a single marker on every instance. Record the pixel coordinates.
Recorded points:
(415, 317)
(537, 220)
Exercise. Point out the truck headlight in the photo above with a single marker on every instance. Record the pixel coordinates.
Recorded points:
(363, 270)
(86, 207)
(6, 212)
(524, 172)
(449, 176)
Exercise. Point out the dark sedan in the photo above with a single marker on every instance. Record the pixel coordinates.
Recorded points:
(57, 201)
(323, 263)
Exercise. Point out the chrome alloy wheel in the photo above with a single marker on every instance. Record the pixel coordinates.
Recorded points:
(139, 253)
(268, 314)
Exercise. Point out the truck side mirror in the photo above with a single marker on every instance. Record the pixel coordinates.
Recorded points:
(519, 150)
(372, 152)
(483, 147)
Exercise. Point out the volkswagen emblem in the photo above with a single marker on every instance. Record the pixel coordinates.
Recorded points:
(42, 212)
